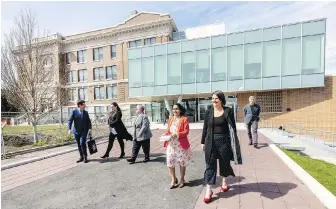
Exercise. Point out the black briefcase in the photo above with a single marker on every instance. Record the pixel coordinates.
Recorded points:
(92, 145)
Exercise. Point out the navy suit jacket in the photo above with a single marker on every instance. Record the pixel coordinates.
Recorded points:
(82, 124)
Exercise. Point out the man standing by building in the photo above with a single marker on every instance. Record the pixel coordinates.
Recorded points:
(251, 119)
(166, 116)
(141, 135)
(82, 127)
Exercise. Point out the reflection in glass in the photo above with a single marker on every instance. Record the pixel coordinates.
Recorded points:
(218, 64)
(203, 66)
(271, 58)
(188, 67)
(312, 51)
(147, 71)
(252, 60)
(235, 62)
(160, 70)
(134, 73)
(174, 68)
(291, 56)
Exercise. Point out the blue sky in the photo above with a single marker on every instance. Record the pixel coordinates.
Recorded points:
(73, 17)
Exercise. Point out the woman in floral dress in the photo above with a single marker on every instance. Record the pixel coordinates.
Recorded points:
(178, 146)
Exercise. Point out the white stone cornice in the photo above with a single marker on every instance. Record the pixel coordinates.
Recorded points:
(96, 83)
(123, 30)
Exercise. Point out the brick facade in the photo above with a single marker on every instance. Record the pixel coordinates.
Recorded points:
(312, 108)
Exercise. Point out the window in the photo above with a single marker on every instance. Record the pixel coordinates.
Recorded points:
(72, 94)
(150, 41)
(82, 56)
(270, 102)
(111, 92)
(160, 63)
(68, 58)
(271, 58)
(83, 94)
(203, 66)
(113, 51)
(82, 75)
(291, 56)
(111, 72)
(98, 54)
(134, 73)
(312, 54)
(133, 44)
(98, 74)
(218, 67)
(47, 61)
(174, 69)
(100, 110)
(147, 70)
(252, 61)
(188, 67)
(235, 62)
(99, 93)
(72, 77)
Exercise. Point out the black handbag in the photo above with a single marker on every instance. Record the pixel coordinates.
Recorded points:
(92, 145)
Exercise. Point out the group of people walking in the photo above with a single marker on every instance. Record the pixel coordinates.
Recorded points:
(219, 139)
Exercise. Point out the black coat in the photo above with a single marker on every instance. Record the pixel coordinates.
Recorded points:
(207, 135)
(115, 122)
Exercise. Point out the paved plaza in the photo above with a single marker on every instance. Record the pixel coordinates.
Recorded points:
(262, 182)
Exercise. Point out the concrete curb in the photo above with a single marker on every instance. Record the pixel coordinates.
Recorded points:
(12, 165)
(326, 197)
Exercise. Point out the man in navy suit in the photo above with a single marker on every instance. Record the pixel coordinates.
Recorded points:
(82, 127)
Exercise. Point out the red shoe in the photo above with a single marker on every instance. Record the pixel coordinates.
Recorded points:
(225, 189)
(207, 200)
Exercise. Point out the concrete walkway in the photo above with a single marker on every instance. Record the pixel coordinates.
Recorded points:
(263, 181)
(314, 148)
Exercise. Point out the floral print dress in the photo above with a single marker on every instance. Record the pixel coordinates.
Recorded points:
(176, 156)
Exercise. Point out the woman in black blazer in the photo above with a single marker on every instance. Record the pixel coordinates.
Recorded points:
(116, 123)
(219, 141)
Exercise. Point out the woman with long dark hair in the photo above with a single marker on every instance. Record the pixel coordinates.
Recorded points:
(219, 141)
(116, 123)
(178, 147)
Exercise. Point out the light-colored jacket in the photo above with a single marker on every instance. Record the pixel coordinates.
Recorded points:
(142, 130)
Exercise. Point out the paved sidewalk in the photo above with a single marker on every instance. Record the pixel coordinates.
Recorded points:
(263, 181)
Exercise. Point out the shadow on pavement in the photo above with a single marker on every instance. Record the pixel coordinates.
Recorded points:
(262, 145)
(230, 181)
(268, 190)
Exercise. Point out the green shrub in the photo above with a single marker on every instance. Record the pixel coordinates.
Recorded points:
(41, 143)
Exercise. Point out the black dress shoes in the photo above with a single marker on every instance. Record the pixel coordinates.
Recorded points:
(85, 160)
(122, 155)
(131, 160)
(80, 160)
(146, 160)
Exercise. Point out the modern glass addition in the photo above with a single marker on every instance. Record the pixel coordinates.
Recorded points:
(287, 56)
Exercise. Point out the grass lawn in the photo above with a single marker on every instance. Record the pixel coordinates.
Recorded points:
(323, 172)
(29, 129)
(48, 135)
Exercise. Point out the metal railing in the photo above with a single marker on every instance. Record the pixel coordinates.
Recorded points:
(301, 130)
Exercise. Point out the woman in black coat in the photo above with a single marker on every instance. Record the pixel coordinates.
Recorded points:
(219, 141)
(116, 123)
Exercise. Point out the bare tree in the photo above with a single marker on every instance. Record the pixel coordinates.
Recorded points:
(29, 69)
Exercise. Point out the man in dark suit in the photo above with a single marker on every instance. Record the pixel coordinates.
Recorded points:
(82, 127)
(251, 119)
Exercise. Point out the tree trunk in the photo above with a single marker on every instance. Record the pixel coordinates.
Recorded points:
(35, 133)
